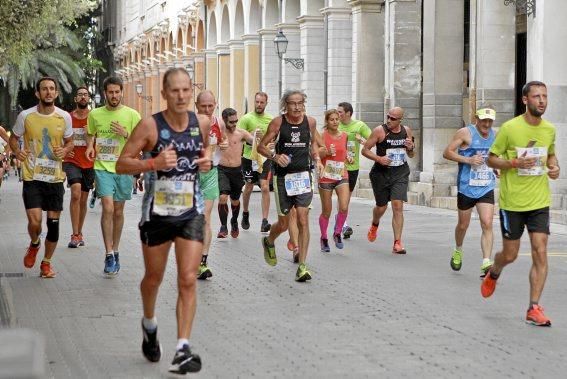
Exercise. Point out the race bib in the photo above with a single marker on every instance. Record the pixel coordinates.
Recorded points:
(79, 137)
(173, 197)
(107, 149)
(297, 183)
(45, 170)
(480, 176)
(540, 153)
(397, 156)
(351, 148)
(333, 170)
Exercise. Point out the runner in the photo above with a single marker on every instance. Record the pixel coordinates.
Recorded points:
(333, 157)
(296, 135)
(524, 151)
(209, 181)
(47, 134)
(390, 174)
(256, 123)
(475, 182)
(357, 132)
(175, 143)
(78, 168)
(4, 153)
(111, 124)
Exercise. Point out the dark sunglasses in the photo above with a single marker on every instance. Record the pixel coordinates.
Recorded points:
(232, 122)
(393, 118)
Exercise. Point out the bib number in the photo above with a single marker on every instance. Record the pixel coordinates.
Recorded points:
(173, 198)
(480, 176)
(351, 149)
(397, 156)
(79, 137)
(334, 170)
(297, 183)
(45, 170)
(540, 153)
(107, 149)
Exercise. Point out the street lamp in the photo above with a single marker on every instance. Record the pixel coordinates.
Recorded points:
(97, 99)
(280, 43)
(139, 90)
(523, 6)
(191, 71)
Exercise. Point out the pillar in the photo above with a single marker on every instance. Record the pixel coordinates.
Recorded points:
(211, 62)
(237, 98)
(269, 73)
(224, 75)
(251, 67)
(312, 50)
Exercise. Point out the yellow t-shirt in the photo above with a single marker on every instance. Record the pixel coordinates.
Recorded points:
(41, 134)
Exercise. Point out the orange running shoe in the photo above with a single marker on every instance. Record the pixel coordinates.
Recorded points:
(372, 232)
(488, 285)
(46, 271)
(29, 258)
(398, 248)
(536, 317)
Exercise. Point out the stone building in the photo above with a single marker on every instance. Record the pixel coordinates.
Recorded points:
(436, 58)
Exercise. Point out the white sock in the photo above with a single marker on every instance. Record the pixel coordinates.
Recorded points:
(182, 342)
(150, 323)
(459, 248)
(485, 260)
(110, 252)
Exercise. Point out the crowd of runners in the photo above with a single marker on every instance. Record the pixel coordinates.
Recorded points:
(188, 160)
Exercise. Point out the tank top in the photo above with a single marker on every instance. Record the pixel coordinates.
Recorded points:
(174, 195)
(294, 141)
(334, 165)
(215, 137)
(393, 146)
(475, 182)
(80, 143)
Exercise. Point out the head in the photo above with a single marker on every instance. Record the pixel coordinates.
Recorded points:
(177, 89)
(485, 116)
(534, 97)
(260, 102)
(292, 102)
(82, 97)
(46, 90)
(345, 112)
(113, 87)
(206, 103)
(394, 117)
(230, 118)
(332, 119)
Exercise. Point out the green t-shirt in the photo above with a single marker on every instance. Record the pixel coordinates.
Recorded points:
(353, 146)
(250, 122)
(109, 145)
(524, 190)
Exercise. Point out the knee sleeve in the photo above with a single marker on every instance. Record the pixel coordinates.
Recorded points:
(52, 230)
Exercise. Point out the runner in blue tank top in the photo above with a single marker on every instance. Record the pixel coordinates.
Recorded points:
(475, 182)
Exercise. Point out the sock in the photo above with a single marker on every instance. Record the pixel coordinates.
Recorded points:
(36, 243)
(341, 221)
(485, 260)
(110, 252)
(150, 324)
(323, 225)
(223, 213)
(204, 259)
(182, 342)
(532, 303)
(235, 212)
(46, 260)
(374, 224)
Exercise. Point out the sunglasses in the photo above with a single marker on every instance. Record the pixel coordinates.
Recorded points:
(393, 118)
(232, 122)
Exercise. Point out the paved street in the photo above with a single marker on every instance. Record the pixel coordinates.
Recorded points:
(366, 313)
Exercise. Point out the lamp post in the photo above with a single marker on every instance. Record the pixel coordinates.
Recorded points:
(280, 43)
(139, 90)
(191, 70)
(523, 6)
(97, 99)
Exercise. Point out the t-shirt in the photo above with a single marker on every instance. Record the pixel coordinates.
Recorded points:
(41, 134)
(250, 122)
(109, 145)
(80, 143)
(353, 146)
(524, 190)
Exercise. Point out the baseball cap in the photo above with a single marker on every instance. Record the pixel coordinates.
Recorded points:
(485, 113)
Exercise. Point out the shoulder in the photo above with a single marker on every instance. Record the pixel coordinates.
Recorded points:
(132, 111)
(311, 120)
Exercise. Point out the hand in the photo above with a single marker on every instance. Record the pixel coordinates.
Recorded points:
(71, 154)
(205, 164)
(259, 134)
(320, 168)
(90, 153)
(361, 140)
(272, 146)
(167, 158)
(59, 152)
(526, 162)
(349, 159)
(384, 161)
(476, 160)
(282, 160)
(116, 128)
(496, 173)
(332, 150)
(224, 144)
(408, 143)
(553, 172)
(22, 155)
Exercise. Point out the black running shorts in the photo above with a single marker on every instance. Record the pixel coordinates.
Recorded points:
(465, 203)
(75, 174)
(47, 196)
(284, 202)
(156, 232)
(512, 223)
(251, 176)
(230, 181)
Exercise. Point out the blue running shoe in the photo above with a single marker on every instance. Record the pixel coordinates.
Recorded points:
(116, 262)
(109, 265)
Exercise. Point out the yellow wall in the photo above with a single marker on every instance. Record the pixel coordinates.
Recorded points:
(237, 80)
(212, 83)
(252, 78)
(223, 97)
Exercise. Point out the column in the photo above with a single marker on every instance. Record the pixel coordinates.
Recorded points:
(237, 98)
(251, 67)
(199, 78)
(269, 70)
(162, 68)
(312, 38)
(291, 77)
(211, 62)
(156, 88)
(223, 95)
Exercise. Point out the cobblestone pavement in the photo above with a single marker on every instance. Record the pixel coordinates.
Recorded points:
(366, 313)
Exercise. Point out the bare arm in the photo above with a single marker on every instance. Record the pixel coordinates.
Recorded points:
(4, 135)
(376, 136)
(553, 167)
(246, 136)
(410, 146)
(460, 139)
(205, 163)
(61, 152)
(270, 135)
(143, 138)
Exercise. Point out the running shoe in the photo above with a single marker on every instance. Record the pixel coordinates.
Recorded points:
(265, 228)
(347, 232)
(245, 223)
(45, 270)
(269, 252)
(140, 184)
(457, 260)
(325, 245)
(223, 232)
(372, 233)
(484, 268)
(29, 258)
(81, 240)
(234, 232)
(338, 241)
(204, 272)
(92, 201)
(109, 265)
(185, 361)
(151, 347)
(75, 241)
(302, 274)
(398, 248)
(116, 262)
(135, 190)
(536, 317)
(488, 285)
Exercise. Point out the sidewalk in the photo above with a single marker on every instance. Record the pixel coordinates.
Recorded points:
(366, 313)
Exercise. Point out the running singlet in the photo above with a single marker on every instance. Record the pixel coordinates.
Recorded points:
(476, 181)
(335, 169)
(294, 141)
(393, 146)
(79, 158)
(215, 137)
(174, 195)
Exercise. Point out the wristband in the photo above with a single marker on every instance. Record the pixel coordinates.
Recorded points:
(514, 163)
(151, 164)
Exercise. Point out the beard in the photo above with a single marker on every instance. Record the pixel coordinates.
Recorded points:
(259, 110)
(534, 111)
(47, 103)
(82, 106)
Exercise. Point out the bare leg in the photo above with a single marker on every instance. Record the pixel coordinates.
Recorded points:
(83, 210)
(486, 214)
(208, 232)
(303, 224)
(188, 256)
(463, 222)
(265, 186)
(118, 223)
(155, 261)
(106, 222)
(75, 207)
(397, 218)
(538, 272)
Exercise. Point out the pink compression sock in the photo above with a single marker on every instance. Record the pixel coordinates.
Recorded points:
(323, 225)
(341, 219)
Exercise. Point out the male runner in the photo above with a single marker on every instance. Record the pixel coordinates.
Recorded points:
(47, 134)
(297, 138)
(175, 143)
(390, 174)
(357, 132)
(524, 151)
(111, 125)
(78, 168)
(475, 182)
(256, 123)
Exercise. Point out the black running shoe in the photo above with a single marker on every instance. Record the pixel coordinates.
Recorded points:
(245, 220)
(150, 345)
(265, 228)
(184, 361)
